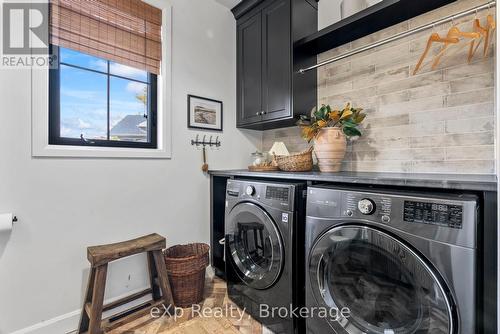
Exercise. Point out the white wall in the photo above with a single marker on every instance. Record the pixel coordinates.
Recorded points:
(65, 205)
(329, 11)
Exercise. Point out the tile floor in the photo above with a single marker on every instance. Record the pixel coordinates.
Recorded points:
(189, 323)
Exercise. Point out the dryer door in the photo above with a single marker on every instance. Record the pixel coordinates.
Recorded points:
(387, 287)
(255, 246)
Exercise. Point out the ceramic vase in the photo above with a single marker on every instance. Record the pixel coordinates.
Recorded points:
(330, 147)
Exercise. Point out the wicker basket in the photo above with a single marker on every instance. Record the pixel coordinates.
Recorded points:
(300, 162)
(186, 271)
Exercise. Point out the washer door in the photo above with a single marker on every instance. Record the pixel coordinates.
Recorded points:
(386, 286)
(255, 246)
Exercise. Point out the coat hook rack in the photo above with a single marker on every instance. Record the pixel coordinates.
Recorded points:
(211, 142)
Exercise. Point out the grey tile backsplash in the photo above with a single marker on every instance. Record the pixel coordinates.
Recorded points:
(438, 121)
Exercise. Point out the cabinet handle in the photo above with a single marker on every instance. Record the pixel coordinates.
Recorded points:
(257, 113)
(222, 242)
(265, 112)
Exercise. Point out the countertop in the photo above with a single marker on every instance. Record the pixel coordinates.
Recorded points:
(438, 181)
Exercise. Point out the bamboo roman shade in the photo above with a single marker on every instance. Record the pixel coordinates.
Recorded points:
(125, 31)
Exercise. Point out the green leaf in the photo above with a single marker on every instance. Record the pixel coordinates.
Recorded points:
(322, 113)
(351, 132)
(348, 123)
(317, 114)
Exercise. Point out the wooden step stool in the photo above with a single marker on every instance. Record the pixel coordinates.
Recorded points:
(91, 321)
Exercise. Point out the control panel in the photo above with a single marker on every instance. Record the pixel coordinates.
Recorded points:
(433, 213)
(381, 208)
(277, 193)
(376, 207)
(442, 217)
(272, 194)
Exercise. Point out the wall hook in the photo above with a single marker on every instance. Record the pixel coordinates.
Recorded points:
(195, 141)
(211, 143)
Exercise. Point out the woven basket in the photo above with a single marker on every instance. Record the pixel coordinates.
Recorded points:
(186, 271)
(300, 162)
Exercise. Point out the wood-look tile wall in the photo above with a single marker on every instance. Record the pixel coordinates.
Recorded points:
(438, 121)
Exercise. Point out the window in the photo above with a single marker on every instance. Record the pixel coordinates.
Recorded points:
(130, 35)
(104, 90)
(98, 102)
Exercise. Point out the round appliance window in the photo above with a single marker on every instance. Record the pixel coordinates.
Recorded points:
(255, 245)
(387, 287)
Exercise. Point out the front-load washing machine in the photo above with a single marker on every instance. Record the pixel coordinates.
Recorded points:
(390, 262)
(264, 242)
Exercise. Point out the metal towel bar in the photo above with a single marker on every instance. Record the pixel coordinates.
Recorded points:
(399, 36)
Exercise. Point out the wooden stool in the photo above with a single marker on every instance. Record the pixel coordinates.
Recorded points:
(91, 321)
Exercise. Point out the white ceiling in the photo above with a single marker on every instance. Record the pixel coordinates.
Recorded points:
(228, 3)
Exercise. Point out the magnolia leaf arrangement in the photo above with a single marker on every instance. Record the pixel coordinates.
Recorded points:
(347, 119)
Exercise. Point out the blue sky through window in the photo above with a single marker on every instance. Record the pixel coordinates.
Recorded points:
(84, 99)
(83, 103)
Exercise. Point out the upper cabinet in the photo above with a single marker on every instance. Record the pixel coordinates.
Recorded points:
(249, 55)
(277, 55)
(266, 75)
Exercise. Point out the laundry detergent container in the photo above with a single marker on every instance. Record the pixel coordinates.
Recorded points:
(186, 266)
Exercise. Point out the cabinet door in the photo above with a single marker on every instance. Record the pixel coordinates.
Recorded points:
(249, 80)
(277, 50)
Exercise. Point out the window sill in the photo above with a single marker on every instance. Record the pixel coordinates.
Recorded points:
(65, 151)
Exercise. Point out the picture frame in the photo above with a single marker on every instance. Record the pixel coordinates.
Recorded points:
(204, 113)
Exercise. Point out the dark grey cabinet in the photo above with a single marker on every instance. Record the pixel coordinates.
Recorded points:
(277, 55)
(250, 70)
(266, 75)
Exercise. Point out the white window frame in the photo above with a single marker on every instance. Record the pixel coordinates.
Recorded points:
(40, 113)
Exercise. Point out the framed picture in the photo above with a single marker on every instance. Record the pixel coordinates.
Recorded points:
(204, 113)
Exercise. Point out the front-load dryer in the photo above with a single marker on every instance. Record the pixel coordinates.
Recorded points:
(390, 262)
(264, 242)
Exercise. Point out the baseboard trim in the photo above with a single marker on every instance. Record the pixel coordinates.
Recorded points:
(68, 323)
(62, 324)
